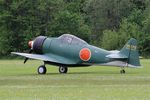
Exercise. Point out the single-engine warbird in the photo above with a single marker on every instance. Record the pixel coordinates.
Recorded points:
(70, 51)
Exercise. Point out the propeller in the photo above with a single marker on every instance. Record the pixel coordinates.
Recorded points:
(30, 44)
(25, 60)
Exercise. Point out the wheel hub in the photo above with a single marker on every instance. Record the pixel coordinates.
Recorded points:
(62, 69)
(41, 70)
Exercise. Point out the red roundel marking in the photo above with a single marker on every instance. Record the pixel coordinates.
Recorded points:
(85, 54)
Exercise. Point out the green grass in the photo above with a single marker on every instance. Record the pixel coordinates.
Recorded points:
(21, 81)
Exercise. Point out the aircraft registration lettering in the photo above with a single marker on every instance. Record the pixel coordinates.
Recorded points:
(132, 47)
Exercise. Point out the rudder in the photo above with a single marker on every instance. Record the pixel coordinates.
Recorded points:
(130, 50)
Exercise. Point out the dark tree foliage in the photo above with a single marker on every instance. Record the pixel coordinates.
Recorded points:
(22, 20)
(105, 23)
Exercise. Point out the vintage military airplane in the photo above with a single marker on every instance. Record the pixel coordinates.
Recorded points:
(70, 51)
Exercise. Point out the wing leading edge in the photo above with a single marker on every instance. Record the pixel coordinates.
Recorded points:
(49, 57)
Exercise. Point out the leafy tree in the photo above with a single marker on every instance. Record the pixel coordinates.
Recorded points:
(107, 23)
(70, 23)
(23, 20)
(117, 39)
(106, 14)
(145, 38)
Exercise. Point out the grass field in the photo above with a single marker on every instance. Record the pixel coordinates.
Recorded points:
(21, 82)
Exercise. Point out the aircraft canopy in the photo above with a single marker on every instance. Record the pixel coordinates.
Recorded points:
(72, 39)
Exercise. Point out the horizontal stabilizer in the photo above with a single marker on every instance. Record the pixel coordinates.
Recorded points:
(119, 63)
(129, 54)
(117, 56)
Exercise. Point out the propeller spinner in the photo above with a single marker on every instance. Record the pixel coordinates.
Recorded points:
(30, 44)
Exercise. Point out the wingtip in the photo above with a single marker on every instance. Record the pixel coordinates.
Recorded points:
(13, 52)
(132, 66)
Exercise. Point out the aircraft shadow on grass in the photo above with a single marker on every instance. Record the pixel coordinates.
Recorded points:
(80, 73)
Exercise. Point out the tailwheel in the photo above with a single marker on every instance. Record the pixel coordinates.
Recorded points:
(122, 71)
(63, 69)
(42, 69)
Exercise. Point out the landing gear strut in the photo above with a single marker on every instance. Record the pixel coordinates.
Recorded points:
(63, 69)
(122, 71)
(42, 69)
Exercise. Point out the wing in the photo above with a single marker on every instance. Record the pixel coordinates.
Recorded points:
(46, 57)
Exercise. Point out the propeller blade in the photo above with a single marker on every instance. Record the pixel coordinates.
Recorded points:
(26, 59)
(30, 51)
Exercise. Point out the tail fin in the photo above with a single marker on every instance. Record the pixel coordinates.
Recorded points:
(130, 50)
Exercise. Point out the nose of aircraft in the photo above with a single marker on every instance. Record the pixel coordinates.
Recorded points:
(30, 44)
(36, 44)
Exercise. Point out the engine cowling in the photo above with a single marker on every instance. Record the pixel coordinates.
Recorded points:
(38, 43)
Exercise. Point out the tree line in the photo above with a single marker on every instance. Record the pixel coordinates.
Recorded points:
(104, 23)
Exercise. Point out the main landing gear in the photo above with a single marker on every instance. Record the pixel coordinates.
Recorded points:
(42, 69)
(63, 69)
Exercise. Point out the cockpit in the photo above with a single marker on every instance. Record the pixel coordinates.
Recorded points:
(71, 39)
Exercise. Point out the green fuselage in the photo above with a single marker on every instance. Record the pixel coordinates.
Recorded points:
(71, 50)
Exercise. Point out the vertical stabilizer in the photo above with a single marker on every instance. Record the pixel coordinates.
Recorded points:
(130, 50)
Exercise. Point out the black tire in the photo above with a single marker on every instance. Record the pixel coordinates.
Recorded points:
(122, 71)
(42, 69)
(63, 69)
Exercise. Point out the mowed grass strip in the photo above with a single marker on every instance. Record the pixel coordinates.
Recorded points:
(21, 81)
